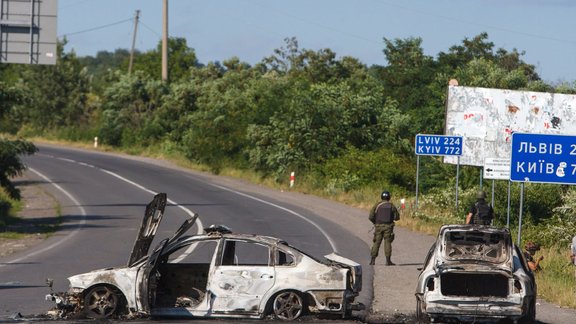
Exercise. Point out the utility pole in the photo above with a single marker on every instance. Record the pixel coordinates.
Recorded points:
(136, 18)
(165, 40)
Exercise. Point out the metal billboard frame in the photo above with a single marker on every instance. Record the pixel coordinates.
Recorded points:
(28, 31)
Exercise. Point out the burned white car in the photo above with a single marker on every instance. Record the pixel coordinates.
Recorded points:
(475, 273)
(215, 274)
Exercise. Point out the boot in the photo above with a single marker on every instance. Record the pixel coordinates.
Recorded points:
(373, 261)
(389, 262)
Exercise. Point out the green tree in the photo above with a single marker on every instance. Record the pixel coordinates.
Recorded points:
(217, 127)
(11, 164)
(55, 95)
(181, 60)
(312, 66)
(11, 150)
(407, 79)
(321, 121)
(128, 108)
(103, 66)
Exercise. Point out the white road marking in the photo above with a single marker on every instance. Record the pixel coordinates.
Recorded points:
(186, 210)
(332, 244)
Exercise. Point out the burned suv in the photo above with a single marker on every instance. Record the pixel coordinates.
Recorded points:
(214, 274)
(474, 273)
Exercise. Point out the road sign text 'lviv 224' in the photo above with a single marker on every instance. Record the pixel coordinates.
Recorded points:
(438, 145)
(543, 158)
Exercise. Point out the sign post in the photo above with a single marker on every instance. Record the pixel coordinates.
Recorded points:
(498, 169)
(445, 145)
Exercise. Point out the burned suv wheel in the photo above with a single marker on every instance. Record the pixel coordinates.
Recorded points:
(288, 305)
(101, 302)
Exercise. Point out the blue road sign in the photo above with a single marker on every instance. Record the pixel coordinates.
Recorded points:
(438, 145)
(543, 158)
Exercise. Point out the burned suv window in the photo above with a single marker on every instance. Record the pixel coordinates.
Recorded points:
(196, 252)
(476, 245)
(245, 253)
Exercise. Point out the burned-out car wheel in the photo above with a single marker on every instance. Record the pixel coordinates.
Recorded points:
(531, 314)
(288, 305)
(100, 302)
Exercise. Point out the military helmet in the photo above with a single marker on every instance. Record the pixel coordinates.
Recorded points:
(481, 195)
(385, 195)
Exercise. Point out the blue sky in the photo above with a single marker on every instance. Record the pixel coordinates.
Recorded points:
(251, 29)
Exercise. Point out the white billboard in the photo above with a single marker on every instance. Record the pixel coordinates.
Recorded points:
(486, 119)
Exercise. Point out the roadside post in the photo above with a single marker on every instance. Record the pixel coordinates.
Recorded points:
(542, 158)
(442, 145)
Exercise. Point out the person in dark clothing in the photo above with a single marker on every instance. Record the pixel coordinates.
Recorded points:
(481, 213)
(383, 215)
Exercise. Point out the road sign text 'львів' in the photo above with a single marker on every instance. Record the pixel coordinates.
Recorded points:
(543, 158)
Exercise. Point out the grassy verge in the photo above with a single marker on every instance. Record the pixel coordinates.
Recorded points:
(557, 280)
(44, 220)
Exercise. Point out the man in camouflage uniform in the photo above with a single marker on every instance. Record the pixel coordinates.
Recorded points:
(383, 215)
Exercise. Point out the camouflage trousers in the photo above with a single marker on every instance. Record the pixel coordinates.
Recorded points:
(382, 232)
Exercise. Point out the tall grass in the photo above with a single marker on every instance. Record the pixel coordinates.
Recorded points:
(557, 279)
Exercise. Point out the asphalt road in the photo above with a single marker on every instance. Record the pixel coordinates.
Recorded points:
(103, 199)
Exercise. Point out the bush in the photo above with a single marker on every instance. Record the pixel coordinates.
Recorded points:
(10, 163)
(7, 206)
(355, 169)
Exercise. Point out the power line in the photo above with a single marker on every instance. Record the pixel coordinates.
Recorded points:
(97, 28)
(149, 28)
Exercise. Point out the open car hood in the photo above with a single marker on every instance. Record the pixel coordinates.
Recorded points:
(152, 217)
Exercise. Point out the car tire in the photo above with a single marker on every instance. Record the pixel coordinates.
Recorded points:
(531, 316)
(288, 305)
(101, 302)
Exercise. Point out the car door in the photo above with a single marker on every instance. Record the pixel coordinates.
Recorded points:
(243, 274)
(146, 278)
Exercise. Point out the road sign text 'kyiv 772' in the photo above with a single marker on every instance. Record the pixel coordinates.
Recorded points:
(438, 145)
(543, 158)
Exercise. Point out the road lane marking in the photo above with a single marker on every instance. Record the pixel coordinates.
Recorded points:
(200, 227)
(326, 235)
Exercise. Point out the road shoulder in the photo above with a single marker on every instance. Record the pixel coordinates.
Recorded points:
(38, 216)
